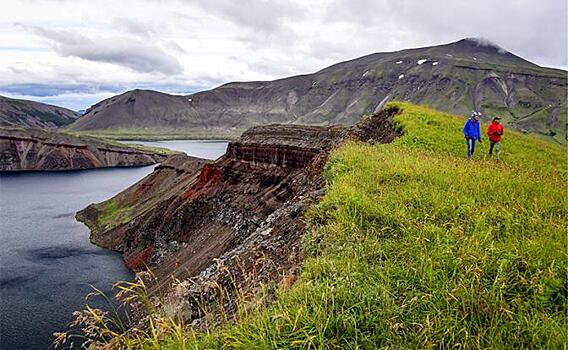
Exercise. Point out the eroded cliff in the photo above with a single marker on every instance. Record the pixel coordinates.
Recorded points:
(31, 149)
(238, 219)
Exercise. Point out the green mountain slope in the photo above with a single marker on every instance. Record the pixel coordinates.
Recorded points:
(456, 77)
(24, 113)
(416, 247)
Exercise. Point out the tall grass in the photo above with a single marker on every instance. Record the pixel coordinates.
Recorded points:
(415, 246)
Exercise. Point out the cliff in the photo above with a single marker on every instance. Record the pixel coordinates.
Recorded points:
(32, 149)
(243, 212)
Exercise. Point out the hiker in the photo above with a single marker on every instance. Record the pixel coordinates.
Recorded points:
(472, 133)
(494, 131)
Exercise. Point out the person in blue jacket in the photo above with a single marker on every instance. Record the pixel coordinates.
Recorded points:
(472, 133)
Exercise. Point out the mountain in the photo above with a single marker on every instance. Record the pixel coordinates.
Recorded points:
(24, 113)
(138, 112)
(457, 77)
(35, 150)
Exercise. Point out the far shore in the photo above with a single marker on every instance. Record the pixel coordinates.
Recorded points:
(161, 135)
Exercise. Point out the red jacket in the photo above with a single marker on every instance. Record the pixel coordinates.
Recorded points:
(494, 131)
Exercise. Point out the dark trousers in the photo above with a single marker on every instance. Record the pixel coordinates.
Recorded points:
(496, 146)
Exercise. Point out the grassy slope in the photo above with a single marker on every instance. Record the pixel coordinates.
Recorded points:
(111, 141)
(155, 134)
(414, 246)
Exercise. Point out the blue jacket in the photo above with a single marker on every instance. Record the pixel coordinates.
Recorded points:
(471, 129)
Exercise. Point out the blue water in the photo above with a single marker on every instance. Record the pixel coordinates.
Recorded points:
(196, 148)
(46, 260)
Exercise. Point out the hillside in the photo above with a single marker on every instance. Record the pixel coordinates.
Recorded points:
(456, 77)
(31, 114)
(412, 245)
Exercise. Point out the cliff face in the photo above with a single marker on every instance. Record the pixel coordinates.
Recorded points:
(243, 211)
(27, 149)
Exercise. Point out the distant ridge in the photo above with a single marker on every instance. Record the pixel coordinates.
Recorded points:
(25, 113)
(458, 77)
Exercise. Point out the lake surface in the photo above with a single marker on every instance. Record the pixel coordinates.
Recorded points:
(196, 148)
(46, 260)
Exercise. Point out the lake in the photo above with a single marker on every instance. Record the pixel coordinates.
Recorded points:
(196, 148)
(47, 263)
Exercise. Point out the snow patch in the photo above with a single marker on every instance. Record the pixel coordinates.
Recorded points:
(365, 74)
(449, 55)
(419, 62)
(400, 76)
(475, 59)
(398, 62)
(314, 83)
(435, 63)
(189, 99)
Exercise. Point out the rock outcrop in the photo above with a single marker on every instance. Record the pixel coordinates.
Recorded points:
(243, 212)
(34, 150)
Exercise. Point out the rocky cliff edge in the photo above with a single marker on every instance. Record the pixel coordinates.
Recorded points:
(34, 150)
(237, 221)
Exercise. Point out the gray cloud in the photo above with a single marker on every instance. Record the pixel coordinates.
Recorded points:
(260, 15)
(271, 67)
(135, 27)
(270, 39)
(139, 55)
(84, 94)
(178, 86)
(146, 31)
(265, 24)
(174, 46)
(67, 82)
(534, 30)
(487, 43)
(45, 90)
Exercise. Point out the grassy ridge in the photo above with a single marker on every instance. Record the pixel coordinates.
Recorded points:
(414, 246)
(160, 134)
(110, 141)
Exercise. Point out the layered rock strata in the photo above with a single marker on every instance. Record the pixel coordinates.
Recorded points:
(34, 150)
(237, 221)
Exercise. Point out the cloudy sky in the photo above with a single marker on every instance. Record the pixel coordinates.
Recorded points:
(74, 53)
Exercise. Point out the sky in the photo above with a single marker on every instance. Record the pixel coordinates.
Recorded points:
(74, 53)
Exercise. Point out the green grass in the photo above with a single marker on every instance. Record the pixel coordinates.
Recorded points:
(151, 149)
(111, 214)
(111, 141)
(157, 134)
(414, 246)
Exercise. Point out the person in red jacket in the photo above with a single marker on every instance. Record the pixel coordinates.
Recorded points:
(494, 131)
